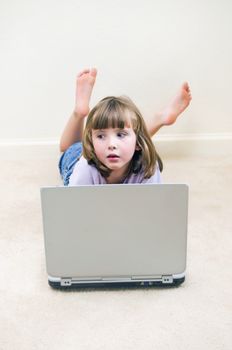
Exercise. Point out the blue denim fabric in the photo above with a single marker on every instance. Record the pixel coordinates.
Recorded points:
(68, 161)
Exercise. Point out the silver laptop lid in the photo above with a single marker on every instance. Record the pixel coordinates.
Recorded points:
(129, 230)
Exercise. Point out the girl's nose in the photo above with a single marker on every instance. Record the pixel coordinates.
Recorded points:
(111, 146)
(112, 143)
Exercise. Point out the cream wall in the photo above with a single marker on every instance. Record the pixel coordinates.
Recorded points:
(144, 49)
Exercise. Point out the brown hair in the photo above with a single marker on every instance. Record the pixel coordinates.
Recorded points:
(118, 112)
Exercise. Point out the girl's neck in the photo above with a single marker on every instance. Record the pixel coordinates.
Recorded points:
(114, 179)
(117, 176)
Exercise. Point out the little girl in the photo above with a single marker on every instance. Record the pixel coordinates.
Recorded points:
(116, 145)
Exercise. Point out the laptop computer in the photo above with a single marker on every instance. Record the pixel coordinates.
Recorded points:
(115, 235)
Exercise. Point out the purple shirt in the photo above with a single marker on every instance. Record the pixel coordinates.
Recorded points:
(85, 174)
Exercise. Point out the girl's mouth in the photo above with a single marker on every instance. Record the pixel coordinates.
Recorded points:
(112, 156)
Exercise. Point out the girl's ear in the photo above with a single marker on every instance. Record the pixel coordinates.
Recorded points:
(137, 148)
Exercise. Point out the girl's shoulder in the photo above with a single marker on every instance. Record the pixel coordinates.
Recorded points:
(85, 174)
(139, 178)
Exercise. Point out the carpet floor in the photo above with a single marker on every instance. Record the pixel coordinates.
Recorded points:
(197, 315)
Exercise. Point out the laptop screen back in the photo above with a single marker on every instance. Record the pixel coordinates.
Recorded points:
(115, 230)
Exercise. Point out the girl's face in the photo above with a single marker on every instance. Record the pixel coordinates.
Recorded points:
(114, 147)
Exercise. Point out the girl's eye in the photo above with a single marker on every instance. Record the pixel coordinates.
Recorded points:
(100, 136)
(121, 134)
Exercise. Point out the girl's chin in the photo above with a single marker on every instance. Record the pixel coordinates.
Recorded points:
(114, 163)
(114, 167)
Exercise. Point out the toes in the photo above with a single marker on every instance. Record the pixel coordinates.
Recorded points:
(93, 72)
(185, 86)
(84, 71)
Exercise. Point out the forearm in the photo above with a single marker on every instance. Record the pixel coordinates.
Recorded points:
(73, 131)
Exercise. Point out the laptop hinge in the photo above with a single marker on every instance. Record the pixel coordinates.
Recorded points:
(66, 281)
(141, 278)
(164, 278)
(116, 279)
(167, 279)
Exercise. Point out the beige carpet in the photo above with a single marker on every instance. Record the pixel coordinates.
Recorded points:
(197, 315)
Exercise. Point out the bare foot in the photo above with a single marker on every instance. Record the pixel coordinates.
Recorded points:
(84, 86)
(177, 106)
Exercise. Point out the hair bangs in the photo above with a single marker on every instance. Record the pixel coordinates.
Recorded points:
(111, 115)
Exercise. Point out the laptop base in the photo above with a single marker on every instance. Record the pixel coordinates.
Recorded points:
(144, 284)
